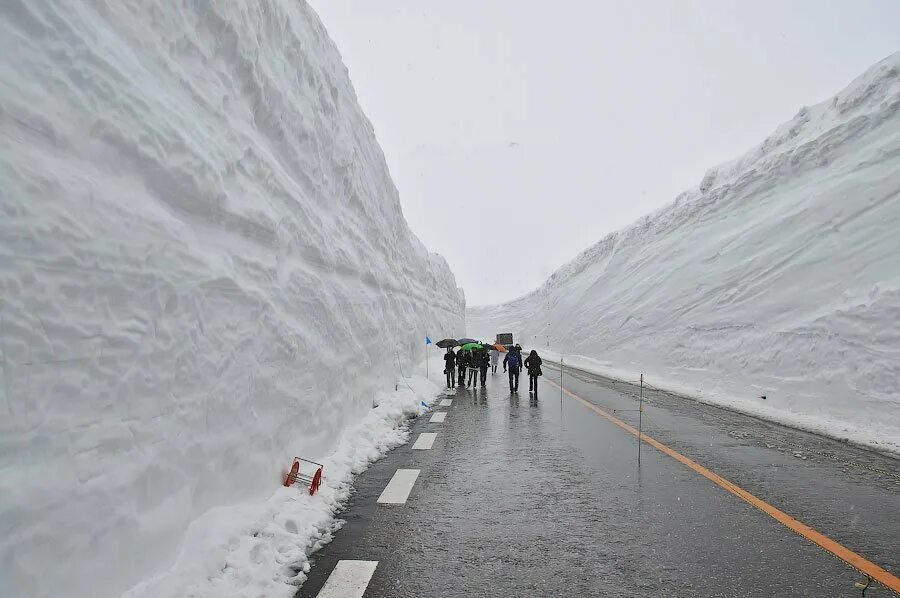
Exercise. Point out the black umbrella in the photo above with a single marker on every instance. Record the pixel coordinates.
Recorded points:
(447, 343)
(466, 341)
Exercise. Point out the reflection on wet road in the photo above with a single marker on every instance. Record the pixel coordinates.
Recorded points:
(543, 497)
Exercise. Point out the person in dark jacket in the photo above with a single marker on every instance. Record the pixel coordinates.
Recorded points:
(484, 365)
(533, 364)
(474, 366)
(513, 363)
(450, 368)
(462, 362)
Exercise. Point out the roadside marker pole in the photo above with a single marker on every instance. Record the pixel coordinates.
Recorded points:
(560, 380)
(640, 418)
(426, 356)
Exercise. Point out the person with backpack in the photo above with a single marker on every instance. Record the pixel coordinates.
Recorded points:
(533, 364)
(462, 363)
(513, 363)
(450, 367)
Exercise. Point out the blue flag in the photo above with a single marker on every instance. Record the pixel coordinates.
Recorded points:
(427, 340)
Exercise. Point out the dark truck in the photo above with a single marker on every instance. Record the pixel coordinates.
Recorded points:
(505, 339)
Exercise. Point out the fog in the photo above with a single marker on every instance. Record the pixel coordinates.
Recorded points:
(519, 133)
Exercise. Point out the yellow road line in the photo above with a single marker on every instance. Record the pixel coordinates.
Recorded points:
(879, 574)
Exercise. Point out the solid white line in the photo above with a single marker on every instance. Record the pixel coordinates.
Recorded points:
(425, 441)
(349, 579)
(446, 402)
(398, 489)
(438, 418)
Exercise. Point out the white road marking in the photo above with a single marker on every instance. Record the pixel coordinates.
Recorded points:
(446, 402)
(438, 418)
(398, 489)
(425, 441)
(349, 579)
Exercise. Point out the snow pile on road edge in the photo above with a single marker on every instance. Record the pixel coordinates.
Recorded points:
(263, 549)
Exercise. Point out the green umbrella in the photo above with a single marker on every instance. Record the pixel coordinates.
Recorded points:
(470, 346)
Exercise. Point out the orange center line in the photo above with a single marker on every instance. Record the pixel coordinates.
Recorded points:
(879, 574)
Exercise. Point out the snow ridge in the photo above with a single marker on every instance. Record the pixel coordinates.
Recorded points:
(778, 276)
(204, 270)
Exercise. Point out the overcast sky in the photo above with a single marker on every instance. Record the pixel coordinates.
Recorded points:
(521, 132)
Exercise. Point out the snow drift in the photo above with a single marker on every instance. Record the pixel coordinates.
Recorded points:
(778, 276)
(204, 270)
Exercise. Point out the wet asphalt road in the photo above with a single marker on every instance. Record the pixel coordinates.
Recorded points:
(524, 497)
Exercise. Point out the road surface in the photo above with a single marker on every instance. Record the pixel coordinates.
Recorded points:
(519, 496)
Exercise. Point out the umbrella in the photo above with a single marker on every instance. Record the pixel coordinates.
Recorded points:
(496, 347)
(470, 346)
(447, 343)
(466, 341)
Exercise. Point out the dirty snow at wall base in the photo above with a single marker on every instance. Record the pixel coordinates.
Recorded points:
(778, 276)
(204, 270)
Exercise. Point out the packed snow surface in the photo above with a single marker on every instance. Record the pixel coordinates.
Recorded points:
(779, 276)
(204, 271)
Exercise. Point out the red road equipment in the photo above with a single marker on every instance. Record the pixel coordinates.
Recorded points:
(310, 481)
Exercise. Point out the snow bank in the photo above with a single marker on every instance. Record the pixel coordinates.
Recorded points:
(262, 550)
(204, 270)
(778, 276)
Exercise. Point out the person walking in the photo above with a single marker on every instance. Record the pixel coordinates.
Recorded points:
(513, 363)
(495, 357)
(484, 365)
(450, 367)
(462, 362)
(533, 364)
(474, 364)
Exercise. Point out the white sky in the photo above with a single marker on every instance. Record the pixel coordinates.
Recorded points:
(521, 132)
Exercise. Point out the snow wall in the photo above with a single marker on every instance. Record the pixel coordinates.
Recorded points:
(778, 276)
(204, 270)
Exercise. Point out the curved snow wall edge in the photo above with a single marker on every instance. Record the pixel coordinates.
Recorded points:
(778, 276)
(204, 270)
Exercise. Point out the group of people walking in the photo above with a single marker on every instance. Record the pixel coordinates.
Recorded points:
(477, 361)
(474, 362)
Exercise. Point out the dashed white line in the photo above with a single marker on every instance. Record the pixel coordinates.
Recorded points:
(438, 418)
(349, 579)
(425, 441)
(446, 402)
(398, 489)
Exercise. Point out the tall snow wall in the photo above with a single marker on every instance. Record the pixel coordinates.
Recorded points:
(204, 270)
(778, 276)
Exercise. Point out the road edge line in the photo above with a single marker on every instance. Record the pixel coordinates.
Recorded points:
(861, 564)
(348, 579)
(399, 487)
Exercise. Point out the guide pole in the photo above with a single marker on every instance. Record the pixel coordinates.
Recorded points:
(560, 380)
(640, 418)
(426, 356)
